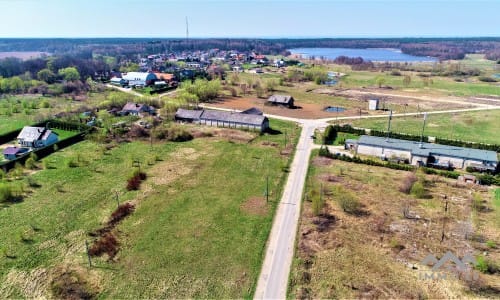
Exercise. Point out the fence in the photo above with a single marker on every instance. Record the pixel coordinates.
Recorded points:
(45, 151)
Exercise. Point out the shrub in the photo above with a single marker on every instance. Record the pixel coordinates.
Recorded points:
(348, 203)
(491, 244)
(407, 184)
(30, 164)
(5, 192)
(106, 244)
(418, 190)
(120, 213)
(44, 104)
(177, 133)
(317, 204)
(133, 183)
(71, 163)
(329, 135)
(486, 79)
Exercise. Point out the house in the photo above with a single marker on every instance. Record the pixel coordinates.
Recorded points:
(223, 119)
(137, 109)
(283, 100)
(36, 137)
(139, 78)
(12, 153)
(167, 77)
(118, 81)
(424, 154)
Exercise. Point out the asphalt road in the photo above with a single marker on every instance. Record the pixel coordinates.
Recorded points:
(273, 280)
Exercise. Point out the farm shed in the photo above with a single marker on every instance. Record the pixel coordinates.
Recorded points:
(36, 137)
(223, 119)
(11, 153)
(139, 78)
(283, 100)
(427, 154)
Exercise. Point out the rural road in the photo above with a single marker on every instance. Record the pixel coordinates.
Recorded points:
(273, 279)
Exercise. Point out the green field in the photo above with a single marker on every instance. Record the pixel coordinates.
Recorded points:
(479, 126)
(195, 232)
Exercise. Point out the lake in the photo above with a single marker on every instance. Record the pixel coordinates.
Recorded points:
(373, 54)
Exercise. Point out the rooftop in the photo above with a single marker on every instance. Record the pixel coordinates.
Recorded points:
(428, 149)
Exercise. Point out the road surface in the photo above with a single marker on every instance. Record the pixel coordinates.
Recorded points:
(273, 280)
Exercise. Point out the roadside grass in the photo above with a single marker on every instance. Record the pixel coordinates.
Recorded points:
(477, 126)
(191, 236)
(371, 253)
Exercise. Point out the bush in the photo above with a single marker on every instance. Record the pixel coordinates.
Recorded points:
(178, 133)
(71, 163)
(5, 193)
(120, 213)
(330, 135)
(418, 190)
(133, 183)
(30, 164)
(44, 104)
(106, 244)
(407, 184)
(348, 203)
(486, 79)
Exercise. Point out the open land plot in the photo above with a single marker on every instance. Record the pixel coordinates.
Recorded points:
(374, 251)
(477, 126)
(19, 111)
(199, 228)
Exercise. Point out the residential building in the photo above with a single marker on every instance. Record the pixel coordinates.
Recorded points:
(36, 137)
(137, 109)
(139, 78)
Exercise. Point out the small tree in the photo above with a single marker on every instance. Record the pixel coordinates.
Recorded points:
(407, 80)
(348, 203)
(30, 163)
(330, 135)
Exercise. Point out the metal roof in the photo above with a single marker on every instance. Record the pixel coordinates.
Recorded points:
(31, 134)
(221, 116)
(132, 76)
(252, 111)
(285, 99)
(188, 114)
(428, 149)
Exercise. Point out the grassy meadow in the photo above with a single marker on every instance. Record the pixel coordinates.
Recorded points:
(373, 249)
(478, 126)
(198, 231)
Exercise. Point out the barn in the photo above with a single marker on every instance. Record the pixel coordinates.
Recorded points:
(283, 100)
(139, 78)
(223, 119)
(425, 154)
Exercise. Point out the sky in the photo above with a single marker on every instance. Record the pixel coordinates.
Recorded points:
(249, 18)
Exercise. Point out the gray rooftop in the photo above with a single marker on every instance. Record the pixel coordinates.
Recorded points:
(227, 116)
(285, 99)
(428, 148)
(31, 134)
(222, 116)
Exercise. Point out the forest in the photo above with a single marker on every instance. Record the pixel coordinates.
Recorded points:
(441, 48)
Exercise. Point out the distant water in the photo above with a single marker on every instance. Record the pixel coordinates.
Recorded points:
(373, 54)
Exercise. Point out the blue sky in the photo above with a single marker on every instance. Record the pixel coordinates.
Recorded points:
(249, 18)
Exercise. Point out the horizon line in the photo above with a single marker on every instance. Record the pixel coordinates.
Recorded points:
(258, 37)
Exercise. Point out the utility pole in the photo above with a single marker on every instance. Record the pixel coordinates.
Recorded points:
(267, 189)
(422, 134)
(88, 254)
(389, 126)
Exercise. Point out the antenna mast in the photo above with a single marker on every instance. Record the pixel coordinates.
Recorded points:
(187, 29)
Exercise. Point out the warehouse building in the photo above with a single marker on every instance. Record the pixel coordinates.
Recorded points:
(223, 119)
(424, 154)
(139, 78)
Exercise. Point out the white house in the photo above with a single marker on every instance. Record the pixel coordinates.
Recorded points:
(36, 137)
(139, 78)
